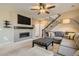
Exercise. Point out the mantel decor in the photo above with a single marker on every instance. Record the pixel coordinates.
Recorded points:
(6, 24)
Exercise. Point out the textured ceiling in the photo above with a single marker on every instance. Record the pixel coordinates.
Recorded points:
(60, 8)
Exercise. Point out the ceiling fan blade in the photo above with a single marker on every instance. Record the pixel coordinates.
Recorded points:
(47, 12)
(50, 7)
(41, 4)
(34, 9)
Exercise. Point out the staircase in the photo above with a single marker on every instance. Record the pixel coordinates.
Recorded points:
(76, 21)
(50, 26)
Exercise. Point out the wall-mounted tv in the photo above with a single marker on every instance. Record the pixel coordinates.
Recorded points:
(24, 20)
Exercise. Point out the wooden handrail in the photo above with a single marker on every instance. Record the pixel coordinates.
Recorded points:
(75, 21)
(50, 23)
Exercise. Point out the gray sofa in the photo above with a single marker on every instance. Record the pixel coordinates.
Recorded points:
(69, 47)
(58, 36)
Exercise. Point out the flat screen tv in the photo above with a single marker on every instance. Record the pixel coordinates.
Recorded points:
(24, 20)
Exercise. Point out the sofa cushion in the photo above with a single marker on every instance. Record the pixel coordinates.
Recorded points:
(76, 39)
(77, 43)
(71, 35)
(57, 38)
(68, 43)
(59, 34)
(63, 50)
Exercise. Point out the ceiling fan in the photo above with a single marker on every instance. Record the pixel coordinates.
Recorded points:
(42, 8)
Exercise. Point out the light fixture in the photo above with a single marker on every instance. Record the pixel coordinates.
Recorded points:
(42, 11)
(43, 8)
(66, 21)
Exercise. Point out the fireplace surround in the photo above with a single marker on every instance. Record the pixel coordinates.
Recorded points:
(25, 34)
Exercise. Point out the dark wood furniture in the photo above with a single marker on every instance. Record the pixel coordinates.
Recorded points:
(43, 42)
(20, 27)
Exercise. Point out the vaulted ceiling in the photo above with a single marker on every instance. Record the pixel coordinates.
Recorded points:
(60, 8)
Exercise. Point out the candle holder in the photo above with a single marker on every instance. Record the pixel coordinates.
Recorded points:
(7, 23)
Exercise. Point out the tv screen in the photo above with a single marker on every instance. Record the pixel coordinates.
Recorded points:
(24, 20)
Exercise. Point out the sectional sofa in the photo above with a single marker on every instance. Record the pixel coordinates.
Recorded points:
(69, 46)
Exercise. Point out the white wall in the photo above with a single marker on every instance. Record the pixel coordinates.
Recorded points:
(9, 13)
(72, 26)
(18, 31)
(38, 26)
(6, 34)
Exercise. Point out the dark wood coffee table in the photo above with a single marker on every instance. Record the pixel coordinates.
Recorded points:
(43, 42)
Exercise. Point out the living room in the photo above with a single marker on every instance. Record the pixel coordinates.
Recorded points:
(16, 33)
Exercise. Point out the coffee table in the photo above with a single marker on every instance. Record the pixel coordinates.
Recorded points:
(43, 42)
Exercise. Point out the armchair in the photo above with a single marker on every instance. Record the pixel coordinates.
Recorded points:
(58, 36)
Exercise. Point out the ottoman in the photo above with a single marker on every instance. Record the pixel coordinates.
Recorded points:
(43, 42)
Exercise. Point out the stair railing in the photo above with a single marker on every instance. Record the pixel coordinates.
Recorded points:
(43, 30)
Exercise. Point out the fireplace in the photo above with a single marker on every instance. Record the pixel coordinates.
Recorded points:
(25, 34)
